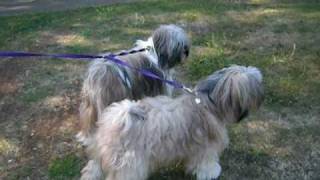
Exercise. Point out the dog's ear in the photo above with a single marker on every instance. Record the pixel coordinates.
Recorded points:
(206, 86)
(237, 92)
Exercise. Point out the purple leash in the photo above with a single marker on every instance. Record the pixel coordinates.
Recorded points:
(70, 56)
(143, 71)
(111, 57)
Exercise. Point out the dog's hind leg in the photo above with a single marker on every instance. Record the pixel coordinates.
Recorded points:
(127, 173)
(92, 171)
(133, 171)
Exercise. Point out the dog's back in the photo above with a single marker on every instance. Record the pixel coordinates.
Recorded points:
(107, 82)
(142, 85)
(151, 126)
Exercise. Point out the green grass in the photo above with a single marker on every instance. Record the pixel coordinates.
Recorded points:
(281, 38)
(65, 168)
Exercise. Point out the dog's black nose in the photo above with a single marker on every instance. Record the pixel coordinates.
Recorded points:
(243, 115)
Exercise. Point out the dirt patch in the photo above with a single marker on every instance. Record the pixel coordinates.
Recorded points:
(45, 134)
(10, 70)
(35, 132)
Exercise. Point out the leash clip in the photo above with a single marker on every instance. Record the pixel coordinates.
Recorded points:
(190, 91)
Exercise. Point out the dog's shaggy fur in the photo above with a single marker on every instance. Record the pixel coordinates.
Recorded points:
(134, 138)
(107, 82)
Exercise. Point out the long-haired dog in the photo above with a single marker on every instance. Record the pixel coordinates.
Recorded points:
(134, 138)
(107, 82)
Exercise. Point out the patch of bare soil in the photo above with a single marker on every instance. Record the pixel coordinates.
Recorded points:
(10, 70)
(32, 134)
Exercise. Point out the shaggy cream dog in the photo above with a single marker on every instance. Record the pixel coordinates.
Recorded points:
(107, 82)
(134, 138)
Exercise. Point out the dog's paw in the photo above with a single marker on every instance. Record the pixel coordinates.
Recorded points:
(209, 172)
(91, 171)
(216, 171)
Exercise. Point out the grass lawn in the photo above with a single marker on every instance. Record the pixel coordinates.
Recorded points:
(39, 99)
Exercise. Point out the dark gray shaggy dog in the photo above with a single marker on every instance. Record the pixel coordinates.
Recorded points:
(107, 82)
(134, 138)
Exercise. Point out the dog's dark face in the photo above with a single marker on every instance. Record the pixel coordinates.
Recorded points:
(233, 91)
(243, 114)
(185, 53)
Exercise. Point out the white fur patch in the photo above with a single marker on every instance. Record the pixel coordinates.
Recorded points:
(151, 52)
(197, 100)
(122, 76)
(169, 76)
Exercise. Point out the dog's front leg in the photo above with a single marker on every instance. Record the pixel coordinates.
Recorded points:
(208, 171)
(205, 166)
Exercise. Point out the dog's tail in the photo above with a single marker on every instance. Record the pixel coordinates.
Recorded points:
(104, 84)
(88, 118)
(237, 91)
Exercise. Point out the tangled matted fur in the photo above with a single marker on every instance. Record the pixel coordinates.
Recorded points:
(134, 138)
(106, 82)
